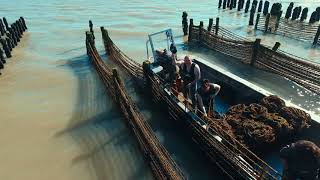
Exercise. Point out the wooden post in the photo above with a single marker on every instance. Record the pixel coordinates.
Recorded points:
(266, 25)
(21, 25)
(18, 28)
(276, 46)
(316, 37)
(256, 46)
(185, 23)
(24, 23)
(247, 6)
(257, 21)
(13, 36)
(299, 12)
(219, 5)
(318, 13)
(289, 10)
(9, 43)
(190, 29)
(224, 4)
(5, 23)
(242, 4)
(254, 6)
(313, 17)
(228, 3)
(260, 6)
(239, 5)
(231, 4)
(2, 61)
(5, 48)
(278, 20)
(18, 31)
(105, 37)
(91, 28)
(252, 11)
(266, 8)
(234, 3)
(217, 26)
(295, 13)
(210, 24)
(2, 57)
(2, 30)
(304, 14)
(200, 30)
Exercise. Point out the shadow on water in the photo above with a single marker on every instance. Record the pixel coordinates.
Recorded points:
(106, 144)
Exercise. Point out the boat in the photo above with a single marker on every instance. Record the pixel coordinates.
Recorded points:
(234, 158)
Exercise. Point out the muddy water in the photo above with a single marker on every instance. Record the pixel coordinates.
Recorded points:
(57, 121)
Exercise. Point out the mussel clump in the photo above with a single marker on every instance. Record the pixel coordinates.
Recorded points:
(267, 123)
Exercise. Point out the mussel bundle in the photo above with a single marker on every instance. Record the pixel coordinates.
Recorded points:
(267, 123)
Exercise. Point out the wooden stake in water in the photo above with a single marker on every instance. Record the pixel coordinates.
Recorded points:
(316, 37)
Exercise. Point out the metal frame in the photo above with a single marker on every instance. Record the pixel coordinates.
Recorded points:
(149, 41)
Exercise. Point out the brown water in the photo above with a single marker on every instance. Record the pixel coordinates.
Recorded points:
(57, 121)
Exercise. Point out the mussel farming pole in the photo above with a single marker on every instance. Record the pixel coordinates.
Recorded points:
(231, 4)
(5, 23)
(239, 5)
(5, 48)
(217, 26)
(276, 46)
(185, 22)
(289, 11)
(247, 6)
(304, 14)
(210, 24)
(1, 56)
(24, 23)
(256, 46)
(266, 25)
(316, 37)
(2, 30)
(252, 11)
(200, 30)
(266, 8)
(219, 5)
(224, 4)
(260, 6)
(190, 29)
(257, 21)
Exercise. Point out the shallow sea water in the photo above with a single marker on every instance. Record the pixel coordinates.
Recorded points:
(57, 121)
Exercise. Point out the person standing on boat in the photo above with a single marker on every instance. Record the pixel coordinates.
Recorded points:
(301, 160)
(190, 74)
(205, 96)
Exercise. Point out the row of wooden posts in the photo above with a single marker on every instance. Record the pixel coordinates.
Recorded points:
(275, 9)
(10, 36)
(266, 26)
(187, 29)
